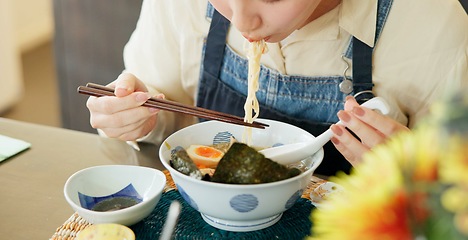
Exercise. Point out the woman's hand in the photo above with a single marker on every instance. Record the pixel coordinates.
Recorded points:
(122, 116)
(369, 126)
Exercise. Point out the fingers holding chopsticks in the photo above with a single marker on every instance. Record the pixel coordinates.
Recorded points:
(123, 116)
(125, 110)
(126, 84)
(113, 104)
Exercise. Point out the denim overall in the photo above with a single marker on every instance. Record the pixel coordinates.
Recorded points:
(310, 103)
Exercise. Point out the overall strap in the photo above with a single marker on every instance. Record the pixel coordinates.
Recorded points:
(362, 56)
(362, 66)
(215, 44)
(464, 4)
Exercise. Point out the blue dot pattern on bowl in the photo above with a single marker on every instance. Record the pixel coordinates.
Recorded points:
(222, 137)
(293, 199)
(89, 202)
(244, 202)
(187, 198)
(277, 145)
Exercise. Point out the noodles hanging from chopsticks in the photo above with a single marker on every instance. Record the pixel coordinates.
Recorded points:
(251, 107)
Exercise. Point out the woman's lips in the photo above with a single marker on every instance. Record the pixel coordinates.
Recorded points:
(248, 38)
(253, 39)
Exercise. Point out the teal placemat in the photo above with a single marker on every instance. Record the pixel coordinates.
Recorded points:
(294, 224)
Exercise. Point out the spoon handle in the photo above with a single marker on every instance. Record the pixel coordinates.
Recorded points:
(377, 103)
(321, 140)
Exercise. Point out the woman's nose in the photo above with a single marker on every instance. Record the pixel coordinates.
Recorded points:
(245, 17)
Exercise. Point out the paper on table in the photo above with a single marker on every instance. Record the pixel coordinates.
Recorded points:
(11, 146)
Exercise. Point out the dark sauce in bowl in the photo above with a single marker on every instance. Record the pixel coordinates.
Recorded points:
(115, 203)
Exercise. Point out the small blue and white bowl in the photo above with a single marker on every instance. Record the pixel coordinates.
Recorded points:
(235, 207)
(92, 187)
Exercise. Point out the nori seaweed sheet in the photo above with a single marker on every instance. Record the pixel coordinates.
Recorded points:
(244, 165)
(181, 161)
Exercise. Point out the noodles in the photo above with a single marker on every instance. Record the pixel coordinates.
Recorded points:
(254, 53)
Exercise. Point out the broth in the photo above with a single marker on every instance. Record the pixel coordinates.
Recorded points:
(115, 203)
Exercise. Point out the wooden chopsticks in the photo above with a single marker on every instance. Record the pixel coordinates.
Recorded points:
(97, 90)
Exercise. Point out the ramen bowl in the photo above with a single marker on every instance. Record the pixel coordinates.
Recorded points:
(120, 194)
(236, 207)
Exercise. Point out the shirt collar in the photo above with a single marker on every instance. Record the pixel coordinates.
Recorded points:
(323, 28)
(357, 17)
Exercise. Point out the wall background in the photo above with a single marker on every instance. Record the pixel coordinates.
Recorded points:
(28, 89)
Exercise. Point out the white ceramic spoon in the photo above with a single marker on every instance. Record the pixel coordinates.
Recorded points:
(291, 153)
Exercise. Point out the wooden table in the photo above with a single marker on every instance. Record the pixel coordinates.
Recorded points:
(32, 204)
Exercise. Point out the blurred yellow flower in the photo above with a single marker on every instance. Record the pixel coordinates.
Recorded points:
(454, 165)
(376, 203)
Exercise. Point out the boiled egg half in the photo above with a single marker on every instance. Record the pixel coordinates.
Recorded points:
(204, 156)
